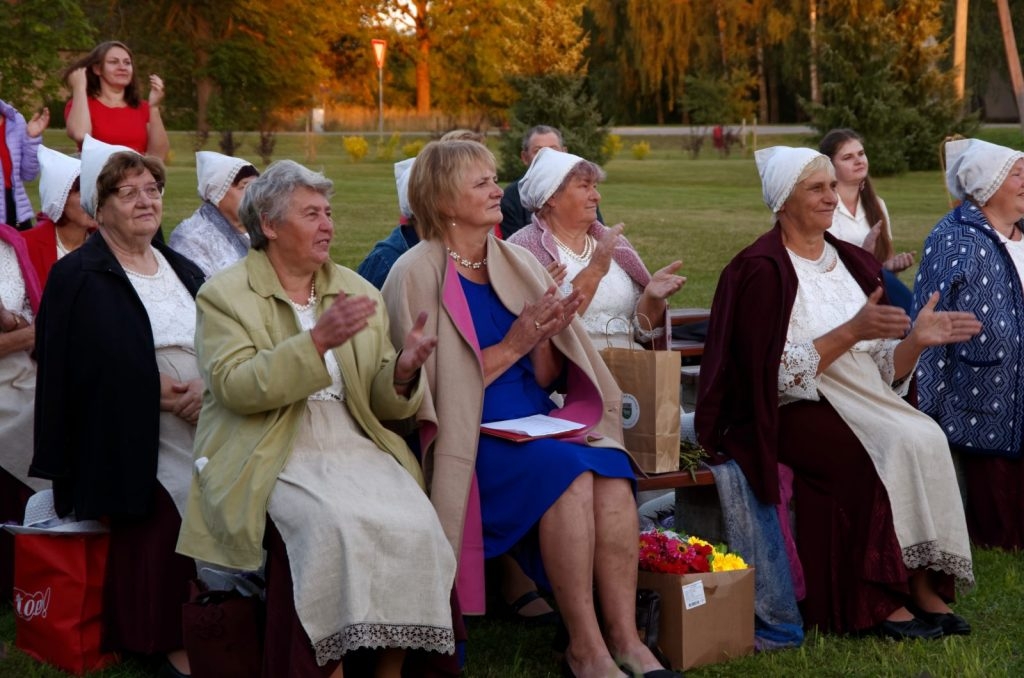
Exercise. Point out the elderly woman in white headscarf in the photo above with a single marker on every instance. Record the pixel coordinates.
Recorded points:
(118, 394)
(561, 191)
(214, 236)
(975, 258)
(63, 224)
(805, 366)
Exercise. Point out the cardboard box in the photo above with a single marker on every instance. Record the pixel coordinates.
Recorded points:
(705, 618)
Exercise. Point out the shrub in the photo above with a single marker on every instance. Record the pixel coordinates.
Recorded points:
(413, 148)
(386, 149)
(612, 145)
(640, 150)
(356, 147)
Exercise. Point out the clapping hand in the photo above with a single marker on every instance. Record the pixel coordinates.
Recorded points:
(543, 319)
(156, 91)
(601, 259)
(664, 283)
(39, 122)
(416, 348)
(557, 271)
(934, 328)
(878, 321)
(341, 321)
(899, 262)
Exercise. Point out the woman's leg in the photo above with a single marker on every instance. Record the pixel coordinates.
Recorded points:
(389, 663)
(567, 538)
(615, 559)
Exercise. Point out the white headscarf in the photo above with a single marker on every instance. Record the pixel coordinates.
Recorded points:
(216, 173)
(57, 174)
(402, 171)
(976, 168)
(779, 167)
(546, 173)
(95, 154)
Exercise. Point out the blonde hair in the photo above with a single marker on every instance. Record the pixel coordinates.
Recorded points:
(435, 181)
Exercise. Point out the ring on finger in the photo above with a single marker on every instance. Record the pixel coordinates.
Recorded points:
(536, 324)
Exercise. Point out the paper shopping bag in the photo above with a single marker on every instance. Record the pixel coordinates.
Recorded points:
(58, 599)
(649, 381)
(705, 618)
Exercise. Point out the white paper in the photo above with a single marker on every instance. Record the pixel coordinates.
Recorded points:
(537, 425)
(693, 595)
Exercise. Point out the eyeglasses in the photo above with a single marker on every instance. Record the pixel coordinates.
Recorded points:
(153, 191)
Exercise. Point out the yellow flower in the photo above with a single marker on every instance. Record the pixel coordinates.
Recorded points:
(726, 562)
(698, 540)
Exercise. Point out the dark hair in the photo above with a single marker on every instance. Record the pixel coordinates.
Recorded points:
(245, 173)
(97, 56)
(830, 145)
(268, 196)
(123, 164)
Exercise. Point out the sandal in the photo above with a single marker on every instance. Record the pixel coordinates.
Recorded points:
(515, 611)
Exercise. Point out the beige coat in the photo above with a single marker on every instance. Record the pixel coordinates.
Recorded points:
(259, 367)
(423, 279)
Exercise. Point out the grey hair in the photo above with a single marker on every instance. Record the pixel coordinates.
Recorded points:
(541, 129)
(266, 198)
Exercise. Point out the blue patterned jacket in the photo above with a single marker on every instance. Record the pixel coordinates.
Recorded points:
(975, 389)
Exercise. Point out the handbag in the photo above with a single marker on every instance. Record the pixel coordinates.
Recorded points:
(58, 599)
(649, 381)
(222, 631)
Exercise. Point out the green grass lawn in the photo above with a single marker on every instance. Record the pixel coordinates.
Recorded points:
(674, 207)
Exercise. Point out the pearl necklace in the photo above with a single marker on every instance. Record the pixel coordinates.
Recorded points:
(584, 256)
(462, 261)
(310, 302)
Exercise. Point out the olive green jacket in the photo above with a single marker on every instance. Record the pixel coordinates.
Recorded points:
(259, 367)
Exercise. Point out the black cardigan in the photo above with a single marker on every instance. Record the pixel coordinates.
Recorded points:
(97, 422)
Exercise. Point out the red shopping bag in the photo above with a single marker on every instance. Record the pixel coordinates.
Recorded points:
(58, 599)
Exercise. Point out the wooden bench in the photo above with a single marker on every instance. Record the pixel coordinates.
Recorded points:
(687, 316)
(675, 480)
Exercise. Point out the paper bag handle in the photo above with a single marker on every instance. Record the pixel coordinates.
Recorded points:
(607, 333)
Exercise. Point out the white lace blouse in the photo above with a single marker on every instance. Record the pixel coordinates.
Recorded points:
(609, 317)
(12, 284)
(826, 297)
(171, 309)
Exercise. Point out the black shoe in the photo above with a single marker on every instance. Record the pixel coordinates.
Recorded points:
(908, 630)
(514, 611)
(951, 624)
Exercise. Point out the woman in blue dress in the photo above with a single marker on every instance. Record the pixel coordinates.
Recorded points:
(506, 341)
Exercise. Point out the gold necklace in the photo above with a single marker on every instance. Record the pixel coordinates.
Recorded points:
(462, 261)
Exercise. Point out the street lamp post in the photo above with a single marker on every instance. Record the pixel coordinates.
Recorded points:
(379, 49)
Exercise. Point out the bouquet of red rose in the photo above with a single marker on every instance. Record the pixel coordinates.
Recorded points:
(669, 552)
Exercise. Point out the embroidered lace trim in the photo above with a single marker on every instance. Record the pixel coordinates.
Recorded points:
(411, 637)
(927, 554)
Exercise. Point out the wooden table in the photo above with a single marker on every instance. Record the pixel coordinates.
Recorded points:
(686, 316)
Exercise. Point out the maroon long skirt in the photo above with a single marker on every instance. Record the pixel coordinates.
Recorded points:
(147, 582)
(852, 560)
(995, 500)
(14, 495)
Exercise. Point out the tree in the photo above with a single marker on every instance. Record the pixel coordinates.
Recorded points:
(883, 75)
(560, 101)
(37, 32)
